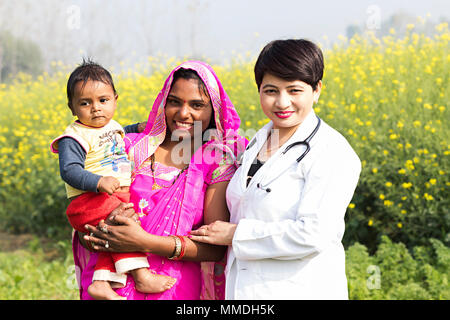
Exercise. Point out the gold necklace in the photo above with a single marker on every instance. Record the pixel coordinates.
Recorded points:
(157, 186)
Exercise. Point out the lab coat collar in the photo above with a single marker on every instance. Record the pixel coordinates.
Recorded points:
(252, 150)
(302, 132)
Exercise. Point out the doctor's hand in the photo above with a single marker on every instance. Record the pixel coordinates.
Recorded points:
(218, 233)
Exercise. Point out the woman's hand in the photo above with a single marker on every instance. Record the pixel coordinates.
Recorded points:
(125, 235)
(218, 233)
(125, 210)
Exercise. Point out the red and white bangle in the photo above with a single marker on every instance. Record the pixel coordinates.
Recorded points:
(180, 248)
(183, 248)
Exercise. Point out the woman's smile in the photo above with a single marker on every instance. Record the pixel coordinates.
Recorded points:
(283, 114)
(183, 125)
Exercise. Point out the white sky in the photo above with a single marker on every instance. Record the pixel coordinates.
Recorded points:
(133, 29)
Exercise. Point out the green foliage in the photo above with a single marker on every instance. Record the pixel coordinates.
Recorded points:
(18, 55)
(30, 276)
(393, 273)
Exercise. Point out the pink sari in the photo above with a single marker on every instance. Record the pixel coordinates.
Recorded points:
(177, 209)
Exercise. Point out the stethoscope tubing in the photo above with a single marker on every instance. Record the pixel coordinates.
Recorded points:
(305, 143)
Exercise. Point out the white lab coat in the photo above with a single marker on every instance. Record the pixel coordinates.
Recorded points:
(287, 244)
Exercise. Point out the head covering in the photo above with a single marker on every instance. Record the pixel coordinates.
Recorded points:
(141, 146)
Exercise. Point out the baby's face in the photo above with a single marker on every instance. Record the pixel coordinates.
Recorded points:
(94, 104)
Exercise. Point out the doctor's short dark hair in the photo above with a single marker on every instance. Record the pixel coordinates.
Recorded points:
(290, 60)
(87, 70)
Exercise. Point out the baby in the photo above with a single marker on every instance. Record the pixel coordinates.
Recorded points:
(94, 165)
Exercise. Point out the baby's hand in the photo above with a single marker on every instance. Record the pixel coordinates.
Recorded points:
(141, 126)
(108, 184)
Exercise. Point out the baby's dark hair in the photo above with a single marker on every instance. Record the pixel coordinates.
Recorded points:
(88, 70)
(290, 60)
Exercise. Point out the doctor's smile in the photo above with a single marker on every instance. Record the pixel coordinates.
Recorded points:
(284, 114)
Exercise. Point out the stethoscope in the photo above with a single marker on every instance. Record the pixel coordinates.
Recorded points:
(304, 142)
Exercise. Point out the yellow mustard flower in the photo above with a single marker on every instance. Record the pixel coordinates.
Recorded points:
(388, 203)
(428, 197)
(407, 185)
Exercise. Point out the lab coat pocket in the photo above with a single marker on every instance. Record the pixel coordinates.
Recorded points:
(280, 270)
(281, 279)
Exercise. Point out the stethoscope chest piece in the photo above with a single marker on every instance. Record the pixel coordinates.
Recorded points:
(259, 186)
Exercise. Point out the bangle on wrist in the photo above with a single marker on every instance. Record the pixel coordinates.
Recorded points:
(177, 251)
(183, 248)
(180, 248)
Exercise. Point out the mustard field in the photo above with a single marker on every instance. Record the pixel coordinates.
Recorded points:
(388, 97)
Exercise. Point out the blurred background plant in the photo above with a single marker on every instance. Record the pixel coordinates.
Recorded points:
(394, 273)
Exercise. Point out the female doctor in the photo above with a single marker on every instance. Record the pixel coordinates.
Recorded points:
(288, 198)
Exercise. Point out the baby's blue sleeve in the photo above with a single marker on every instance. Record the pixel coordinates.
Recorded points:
(132, 128)
(71, 166)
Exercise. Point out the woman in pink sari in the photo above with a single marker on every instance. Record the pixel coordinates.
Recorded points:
(183, 161)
